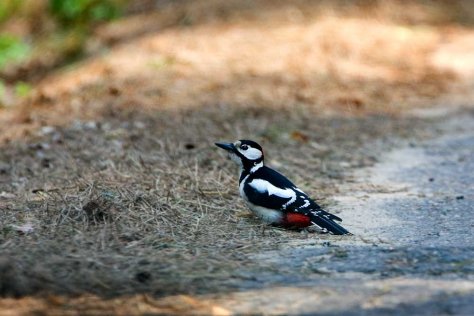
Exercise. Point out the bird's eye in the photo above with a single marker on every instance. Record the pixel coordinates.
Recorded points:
(244, 147)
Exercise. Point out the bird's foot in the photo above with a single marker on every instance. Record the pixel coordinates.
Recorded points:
(315, 229)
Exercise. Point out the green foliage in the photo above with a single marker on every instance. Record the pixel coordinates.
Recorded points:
(12, 49)
(22, 89)
(80, 13)
(64, 39)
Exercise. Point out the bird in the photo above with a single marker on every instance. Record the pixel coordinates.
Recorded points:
(272, 196)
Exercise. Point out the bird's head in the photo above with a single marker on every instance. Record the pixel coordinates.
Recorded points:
(246, 153)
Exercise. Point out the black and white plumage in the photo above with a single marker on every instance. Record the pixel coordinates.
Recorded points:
(271, 196)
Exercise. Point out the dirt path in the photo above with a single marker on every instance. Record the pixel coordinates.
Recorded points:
(412, 216)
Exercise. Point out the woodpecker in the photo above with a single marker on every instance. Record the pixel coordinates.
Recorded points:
(271, 196)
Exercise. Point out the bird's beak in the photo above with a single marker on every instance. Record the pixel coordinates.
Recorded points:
(227, 146)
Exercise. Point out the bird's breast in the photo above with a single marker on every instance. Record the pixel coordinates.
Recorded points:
(267, 215)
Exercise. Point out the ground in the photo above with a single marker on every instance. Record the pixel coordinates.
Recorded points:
(113, 197)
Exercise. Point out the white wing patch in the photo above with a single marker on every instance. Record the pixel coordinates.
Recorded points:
(306, 204)
(263, 186)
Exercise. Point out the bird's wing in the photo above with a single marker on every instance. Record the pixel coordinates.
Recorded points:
(273, 190)
(276, 178)
(270, 189)
(264, 193)
(304, 205)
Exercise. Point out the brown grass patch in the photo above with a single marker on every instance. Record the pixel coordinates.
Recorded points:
(335, 57)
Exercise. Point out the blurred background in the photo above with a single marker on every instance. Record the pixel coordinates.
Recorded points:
(349, 55)
(109, 181)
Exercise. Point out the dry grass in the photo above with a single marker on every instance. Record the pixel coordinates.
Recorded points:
(132, 204)
(109, 182)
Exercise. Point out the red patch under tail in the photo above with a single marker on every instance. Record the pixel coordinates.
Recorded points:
(296, 220)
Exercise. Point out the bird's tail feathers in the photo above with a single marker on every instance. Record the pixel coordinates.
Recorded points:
(330, 216)
(318, 210)
(326, 222)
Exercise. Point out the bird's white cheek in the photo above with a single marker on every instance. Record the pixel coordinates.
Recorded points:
(252, 153)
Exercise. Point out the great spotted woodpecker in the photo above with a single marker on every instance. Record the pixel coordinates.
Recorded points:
(271, 196)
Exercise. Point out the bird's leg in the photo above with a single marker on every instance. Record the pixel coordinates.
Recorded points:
(263, 227)
(304, 232)
(316, 229)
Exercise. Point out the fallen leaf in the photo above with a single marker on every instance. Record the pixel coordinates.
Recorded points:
(299, 136)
